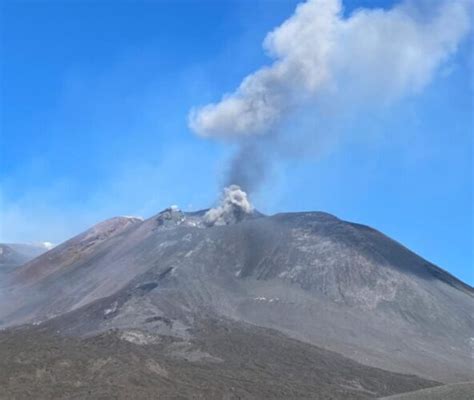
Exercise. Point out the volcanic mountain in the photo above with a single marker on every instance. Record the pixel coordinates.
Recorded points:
(308, 279)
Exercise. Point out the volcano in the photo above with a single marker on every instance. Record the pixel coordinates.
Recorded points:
(345, 298)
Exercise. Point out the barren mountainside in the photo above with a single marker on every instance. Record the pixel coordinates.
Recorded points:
(334, 284)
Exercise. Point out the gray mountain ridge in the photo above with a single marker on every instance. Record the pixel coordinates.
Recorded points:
(15, 254)
(337, 285)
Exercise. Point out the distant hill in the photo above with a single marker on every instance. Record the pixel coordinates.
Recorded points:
(14, 254)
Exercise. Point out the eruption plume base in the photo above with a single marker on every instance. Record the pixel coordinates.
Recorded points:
(233, 207)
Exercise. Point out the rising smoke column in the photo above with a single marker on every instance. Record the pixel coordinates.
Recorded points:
(233, 207)
(372, 57)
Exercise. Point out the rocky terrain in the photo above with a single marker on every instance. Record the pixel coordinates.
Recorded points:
(457, 391)
(224, 360)
(295, 305)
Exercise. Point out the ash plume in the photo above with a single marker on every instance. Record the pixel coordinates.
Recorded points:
(248, 167)
(325, 60)
(233, 207)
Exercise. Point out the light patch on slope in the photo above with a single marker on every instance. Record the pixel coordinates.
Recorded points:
(139, 337)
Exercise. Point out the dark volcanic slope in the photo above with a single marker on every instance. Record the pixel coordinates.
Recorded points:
(341, 286)
(454, 391)
(225, 360)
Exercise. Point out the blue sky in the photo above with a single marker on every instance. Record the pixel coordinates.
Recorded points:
(95, 102)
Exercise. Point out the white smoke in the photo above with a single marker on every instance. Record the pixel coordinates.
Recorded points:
(233, 207)
(47, 245)
(374, 55)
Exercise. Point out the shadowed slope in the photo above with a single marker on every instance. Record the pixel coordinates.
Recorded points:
(454, 391)
(225, 360)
